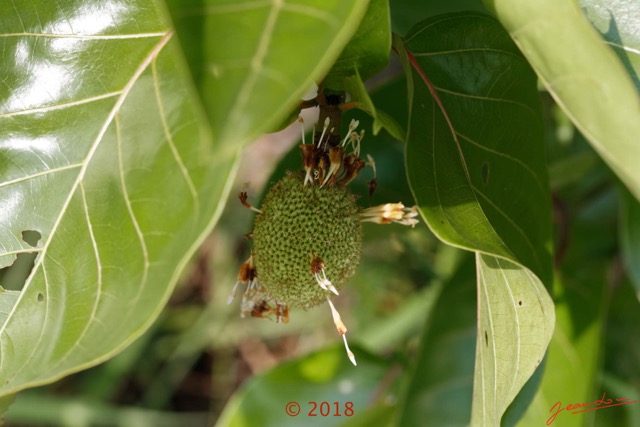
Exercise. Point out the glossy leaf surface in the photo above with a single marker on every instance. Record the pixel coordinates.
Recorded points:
(103, 152)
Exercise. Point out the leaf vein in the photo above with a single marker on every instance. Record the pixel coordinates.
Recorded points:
(60, 106)
(132, 215)
(506, 156)
(92, 149)
(257, 62)
(517, 321)
(171, 143)
(484, 98)
(509, 220)
(94, 309)
(86, 36)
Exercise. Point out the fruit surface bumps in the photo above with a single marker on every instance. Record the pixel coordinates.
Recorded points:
(297, 224)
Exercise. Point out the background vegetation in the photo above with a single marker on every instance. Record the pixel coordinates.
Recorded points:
(125, 127)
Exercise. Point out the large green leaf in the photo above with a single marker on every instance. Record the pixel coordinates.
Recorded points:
(476, 165)
(507, 352)
(583, 74)
(252, 61)
(105, 152)
(617, 22)
(368, 51)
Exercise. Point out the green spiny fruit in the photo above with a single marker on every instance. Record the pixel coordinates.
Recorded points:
(304, 231)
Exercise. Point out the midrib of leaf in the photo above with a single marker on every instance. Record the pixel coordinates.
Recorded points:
(454, 135)
(516, 348)
(501, 400)
(482, 282)
(78, 183)
(231, 124)
(257, 61)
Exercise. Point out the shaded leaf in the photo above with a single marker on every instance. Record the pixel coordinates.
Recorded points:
(55, 410)
(5, 404)
(406, 13)
(475, 158)
(379, 415)
(103, 152)
(627, 415)
(440, 386)
(476, 165)
(248, 61)
(622, 350)
(325, 376)
(629, 232)
(360, 97)
(583, 74)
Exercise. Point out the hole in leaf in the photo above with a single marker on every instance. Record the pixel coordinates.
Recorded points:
(520, 303)
(31, 237)
(485, 173)
(15, 275)
(486, 338)
(40, 297)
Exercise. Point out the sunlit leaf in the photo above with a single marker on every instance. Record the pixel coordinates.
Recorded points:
(515, 327)
(368, 50)
(105, 153)
(582, 73)
(476, 165)
(617, 22)
(7, 301)
(249, 62)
